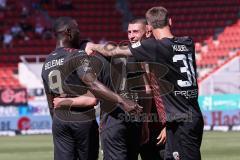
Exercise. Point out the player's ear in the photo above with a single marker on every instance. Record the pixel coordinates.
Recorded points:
(170, 22)
(149, 29)
(148, 33)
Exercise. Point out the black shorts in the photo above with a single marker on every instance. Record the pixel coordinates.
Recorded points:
(120, 141)
(150, 150)
(184, 140)
(75, 140)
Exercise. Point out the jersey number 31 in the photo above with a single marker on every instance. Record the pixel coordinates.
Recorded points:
(188, 63)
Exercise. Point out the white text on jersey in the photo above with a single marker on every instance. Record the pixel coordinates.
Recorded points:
(53, 63)
(180, 48)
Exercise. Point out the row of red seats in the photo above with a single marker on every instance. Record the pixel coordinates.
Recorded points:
(189, 3)
(26, 50)
(9, 59)
(34, 43)
(6, 77)
(93, 1)
(83, 13)
(107, 24)
(207, 62)
(224, 46)
(198, 24)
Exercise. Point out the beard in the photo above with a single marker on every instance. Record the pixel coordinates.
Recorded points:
(75, 41)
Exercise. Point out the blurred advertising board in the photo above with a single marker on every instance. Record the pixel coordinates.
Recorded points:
(34, 107)
(25, 123)
(13, 96)
(32, 116)
(221, 109)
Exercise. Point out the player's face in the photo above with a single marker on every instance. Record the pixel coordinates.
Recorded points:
(136, 32)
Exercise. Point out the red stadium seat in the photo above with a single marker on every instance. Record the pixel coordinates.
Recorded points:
(99, 19)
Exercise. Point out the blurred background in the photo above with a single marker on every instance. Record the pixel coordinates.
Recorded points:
(26, 39)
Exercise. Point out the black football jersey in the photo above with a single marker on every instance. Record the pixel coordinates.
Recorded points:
(172, 60)
(61, 71)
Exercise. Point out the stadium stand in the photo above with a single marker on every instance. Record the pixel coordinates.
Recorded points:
(94, 17)
(213, 25)
(7, 77)
(219, 50)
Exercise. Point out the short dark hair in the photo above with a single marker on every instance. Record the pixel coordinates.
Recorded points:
(138, 20)
(157, 17)
(61, 22)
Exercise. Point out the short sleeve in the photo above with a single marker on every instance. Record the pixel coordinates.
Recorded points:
(46, 88)
(78, 61)
(103, 70)
(144, 51)
(45, 84)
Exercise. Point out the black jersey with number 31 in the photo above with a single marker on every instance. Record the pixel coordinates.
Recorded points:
(173, 62)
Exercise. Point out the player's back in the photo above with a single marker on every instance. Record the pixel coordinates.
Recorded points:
(178, 54)
(61, 74)
(50, 70)
(58, 76)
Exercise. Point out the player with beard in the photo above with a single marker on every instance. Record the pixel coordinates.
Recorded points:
(69, 72)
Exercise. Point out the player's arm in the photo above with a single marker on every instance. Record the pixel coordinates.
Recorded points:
(86, 100)
(145, 67)
(142, 51)
(102, 92)
(107, 49)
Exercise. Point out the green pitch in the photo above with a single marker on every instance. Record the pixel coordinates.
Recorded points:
(215, 146)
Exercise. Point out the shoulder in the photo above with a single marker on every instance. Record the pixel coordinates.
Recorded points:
(185, 40)
(50, 55)
(146, 42)
(48, 58)
(77, 54)
(98, 61)
(75, 58)
(145, 50)
(100, 57)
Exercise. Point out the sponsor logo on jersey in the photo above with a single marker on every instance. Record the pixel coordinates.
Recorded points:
(176, 155)
(81, 51)
(137, 44)
(187, 93)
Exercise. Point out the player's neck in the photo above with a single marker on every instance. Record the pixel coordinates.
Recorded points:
(62, 43)
(160, 33)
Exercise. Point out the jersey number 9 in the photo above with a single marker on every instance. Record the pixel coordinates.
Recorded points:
(55, 81)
